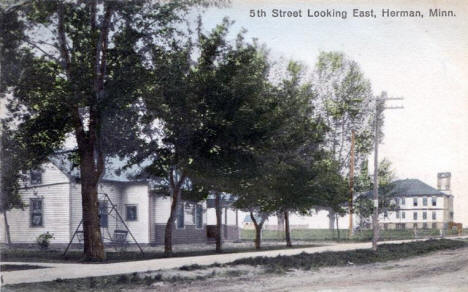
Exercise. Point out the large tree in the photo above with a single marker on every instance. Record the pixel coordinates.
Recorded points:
(203, 111)
(345, 97)
(81, 60)
(296, 148)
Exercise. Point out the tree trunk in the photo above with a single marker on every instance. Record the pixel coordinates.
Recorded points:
(258, 230)
(286, 229)
(337, 227)
(170, 222)
(7, 229)
(219, 241)
(93, 245)
(258, 236)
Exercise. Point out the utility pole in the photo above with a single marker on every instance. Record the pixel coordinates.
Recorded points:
(351, 185)
(379, 108)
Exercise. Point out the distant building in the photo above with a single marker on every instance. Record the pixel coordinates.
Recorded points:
(420, 205)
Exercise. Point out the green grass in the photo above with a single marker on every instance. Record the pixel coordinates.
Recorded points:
(326, 234)
(34, 255)
(385, 252)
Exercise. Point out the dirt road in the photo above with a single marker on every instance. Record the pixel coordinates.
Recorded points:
(440, 271)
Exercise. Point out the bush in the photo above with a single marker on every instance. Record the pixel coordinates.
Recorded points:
(43, 240)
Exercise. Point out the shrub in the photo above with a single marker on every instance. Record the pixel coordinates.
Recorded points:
(43, 240)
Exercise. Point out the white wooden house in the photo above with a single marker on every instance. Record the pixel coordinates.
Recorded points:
(53, 197)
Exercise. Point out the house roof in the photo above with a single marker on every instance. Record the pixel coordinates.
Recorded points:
(248, 219)
(409, 187)
(115, 170)
(413, 187)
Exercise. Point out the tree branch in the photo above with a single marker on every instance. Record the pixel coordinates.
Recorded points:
(62, 40)
(40, 49)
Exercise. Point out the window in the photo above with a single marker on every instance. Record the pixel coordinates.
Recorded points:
(198, 216)
(131, 212)
(434, 215)
(424, 201)
(36, 176)
(36, 212)
(451, 215)
(434, 225)
(180, 215)
(415, 202)
(403, 215)
(103, 215)
(397, 201)
(385, 226)
(397, 214)
(415, 225)
(434, 201)
(424, 225)
(403, 201)
(424, 215)
(415, 215)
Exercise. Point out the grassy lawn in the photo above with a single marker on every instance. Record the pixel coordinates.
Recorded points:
(326, 234)
(279, 264)
(34, 255)
(385, 252)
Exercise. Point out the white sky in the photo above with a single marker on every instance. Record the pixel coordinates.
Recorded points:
(423, 60)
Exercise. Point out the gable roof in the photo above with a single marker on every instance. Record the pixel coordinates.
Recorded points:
(413, 187)
(114, 172)
(248, 219)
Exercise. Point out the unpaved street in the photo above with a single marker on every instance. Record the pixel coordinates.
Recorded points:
(440, 271)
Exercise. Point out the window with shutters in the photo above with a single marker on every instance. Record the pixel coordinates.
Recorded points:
(180, 215)
(35, 176)
(37, 214)
(199, 216)
(131, 212)
(103, 214)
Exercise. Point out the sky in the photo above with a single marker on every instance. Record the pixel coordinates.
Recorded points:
(424, 60)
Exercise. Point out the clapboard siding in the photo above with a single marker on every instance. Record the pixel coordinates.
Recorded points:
(231, 216)
(137, 194)
(56, 217)
(162, 209)
(51, 174)
(113, 190)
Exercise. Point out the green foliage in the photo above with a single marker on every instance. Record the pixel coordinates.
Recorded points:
(346, 101)
(363, 204)
(43, 240)
(13, 161)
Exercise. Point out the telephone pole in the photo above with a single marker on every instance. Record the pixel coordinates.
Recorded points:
(379, 108)
(351, 185)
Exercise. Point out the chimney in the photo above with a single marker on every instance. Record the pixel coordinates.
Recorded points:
(443, 181)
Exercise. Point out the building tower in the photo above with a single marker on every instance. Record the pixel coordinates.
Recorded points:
(443, 181)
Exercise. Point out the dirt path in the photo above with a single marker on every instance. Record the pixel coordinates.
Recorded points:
(440, 271)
